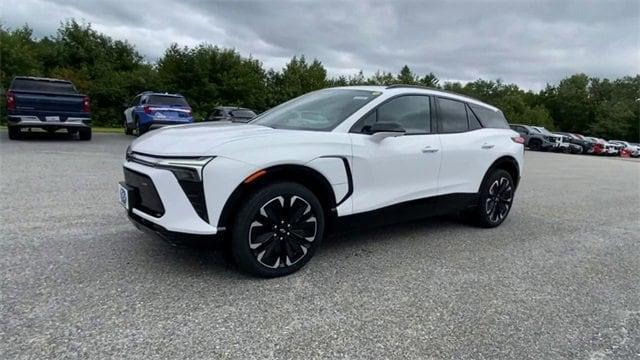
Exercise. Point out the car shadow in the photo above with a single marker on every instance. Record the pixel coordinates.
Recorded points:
(214, 257)
(46, 136)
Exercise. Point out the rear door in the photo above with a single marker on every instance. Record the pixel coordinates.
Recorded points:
(468, 148)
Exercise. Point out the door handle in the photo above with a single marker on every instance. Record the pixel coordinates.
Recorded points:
(487, 146)
(429, 149)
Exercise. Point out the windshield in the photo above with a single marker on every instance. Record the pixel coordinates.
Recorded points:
(243, 113)
(542, 130)
(320, 110)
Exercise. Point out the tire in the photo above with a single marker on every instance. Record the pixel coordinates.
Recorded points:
(14, 133)
(139, 130)
(85, 134)
(127, 130)
(535, 145)
(496, 199)
(265, 241)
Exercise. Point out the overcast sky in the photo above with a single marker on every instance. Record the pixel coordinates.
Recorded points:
(526, 42)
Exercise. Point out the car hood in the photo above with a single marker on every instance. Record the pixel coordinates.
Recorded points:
(196, 139)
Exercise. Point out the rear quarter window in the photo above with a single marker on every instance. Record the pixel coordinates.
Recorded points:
(490, 118)
(62, 87)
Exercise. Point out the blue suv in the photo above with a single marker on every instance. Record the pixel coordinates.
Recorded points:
(151, 110)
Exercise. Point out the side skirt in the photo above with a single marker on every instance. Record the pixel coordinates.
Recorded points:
(407, 211)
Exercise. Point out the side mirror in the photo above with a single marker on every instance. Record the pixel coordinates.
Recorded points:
(383, 130)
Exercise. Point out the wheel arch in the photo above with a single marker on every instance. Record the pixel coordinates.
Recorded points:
(304, 175)
(507, 163)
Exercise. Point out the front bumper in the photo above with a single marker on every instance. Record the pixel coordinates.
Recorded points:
(171, 237)
(179, 215)
(35, 122)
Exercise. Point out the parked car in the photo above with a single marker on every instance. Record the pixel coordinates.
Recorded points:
(537, 139)
(612, 149)
(151, 110)
(597, 147)
(633, 149)
(566, 146)
(576, 139)
(231, 113)
(340, 155)
(48, 104)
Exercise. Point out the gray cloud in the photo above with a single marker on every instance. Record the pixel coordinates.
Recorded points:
(526, 42)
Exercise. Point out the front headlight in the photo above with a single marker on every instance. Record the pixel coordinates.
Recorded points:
(185, 169)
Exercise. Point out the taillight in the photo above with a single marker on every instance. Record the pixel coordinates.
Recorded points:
(147, 109)
(11, 101)
(86, 106)
(518, 139)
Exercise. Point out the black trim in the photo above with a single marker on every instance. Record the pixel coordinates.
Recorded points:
(146, 198)
(407, 211)
(194, 190)
(347, 169)
(172, 237)
(400, 86)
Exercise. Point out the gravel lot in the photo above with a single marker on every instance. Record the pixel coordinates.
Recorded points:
(559, 279)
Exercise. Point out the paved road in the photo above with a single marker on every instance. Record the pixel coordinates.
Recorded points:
(559, 279)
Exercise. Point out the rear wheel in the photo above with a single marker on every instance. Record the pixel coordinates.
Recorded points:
(138, 129)
(279, 227)
(85, 134)
(127, 130)
(496, 198)
(14, 132)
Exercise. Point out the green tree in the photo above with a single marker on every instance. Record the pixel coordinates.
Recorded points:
(406, 76)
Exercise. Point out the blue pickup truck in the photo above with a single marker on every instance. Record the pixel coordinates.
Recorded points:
(49, 104)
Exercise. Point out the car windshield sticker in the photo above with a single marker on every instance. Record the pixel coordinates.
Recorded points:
(360, 97)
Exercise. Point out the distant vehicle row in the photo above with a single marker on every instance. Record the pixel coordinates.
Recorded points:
(150, 110)
(538, 138)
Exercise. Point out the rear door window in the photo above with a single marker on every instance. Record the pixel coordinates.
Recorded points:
(452, 115)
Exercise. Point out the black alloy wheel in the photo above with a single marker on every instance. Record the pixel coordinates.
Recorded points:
(496, 199)
(278, 230)
(282, 232)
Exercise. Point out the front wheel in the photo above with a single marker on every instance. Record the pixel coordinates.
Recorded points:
(496, 198)
(278, 229)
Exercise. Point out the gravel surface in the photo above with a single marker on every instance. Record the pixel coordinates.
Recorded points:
(559, 279)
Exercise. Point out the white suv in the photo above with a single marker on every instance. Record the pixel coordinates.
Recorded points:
(276, 185)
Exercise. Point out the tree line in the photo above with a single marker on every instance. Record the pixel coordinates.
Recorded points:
(112, 72)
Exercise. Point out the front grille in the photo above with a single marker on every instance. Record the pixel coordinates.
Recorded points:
(146, 196)
(195, 193)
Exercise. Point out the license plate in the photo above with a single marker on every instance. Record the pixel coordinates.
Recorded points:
(52, 118)
(123, 196)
